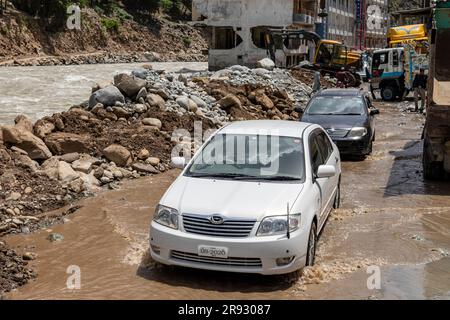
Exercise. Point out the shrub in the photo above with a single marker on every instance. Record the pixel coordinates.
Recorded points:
(111, 24)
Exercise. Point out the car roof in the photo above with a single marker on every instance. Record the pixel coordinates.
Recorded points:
(353, 92)
(279, 128)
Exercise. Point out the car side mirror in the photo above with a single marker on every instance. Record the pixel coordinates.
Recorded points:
(326, 172)
(179, 162)
(374, 112)
(299, 110)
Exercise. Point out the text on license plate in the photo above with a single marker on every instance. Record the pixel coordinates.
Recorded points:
(215, 252)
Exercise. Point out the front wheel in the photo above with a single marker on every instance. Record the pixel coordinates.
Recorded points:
(337, 199)
(432, 170)
(388, 93)
(312, 244)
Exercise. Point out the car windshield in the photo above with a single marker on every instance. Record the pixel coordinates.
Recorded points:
(252, 157)
(336, 106)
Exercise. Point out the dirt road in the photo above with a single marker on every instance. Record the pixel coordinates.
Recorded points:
(391, 219)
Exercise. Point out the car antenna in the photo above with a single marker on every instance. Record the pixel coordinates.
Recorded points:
(288, 223)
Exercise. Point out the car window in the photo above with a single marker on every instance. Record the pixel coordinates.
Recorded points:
(336, 105)
(316, 156)
(256, 156)
(325, 146)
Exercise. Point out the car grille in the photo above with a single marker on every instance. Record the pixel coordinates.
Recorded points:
(234, 228)
(231, 262)
(338, 133)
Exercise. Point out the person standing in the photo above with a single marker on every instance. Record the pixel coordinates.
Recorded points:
(420, 87)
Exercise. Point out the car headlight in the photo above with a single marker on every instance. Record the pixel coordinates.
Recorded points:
(357, 132)
(272, 226)
(166, 216)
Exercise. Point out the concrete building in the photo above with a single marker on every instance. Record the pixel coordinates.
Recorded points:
(361, 24)
(340, 22)
(238, 29)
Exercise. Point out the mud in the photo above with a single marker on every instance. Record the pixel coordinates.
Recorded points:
(391, 219)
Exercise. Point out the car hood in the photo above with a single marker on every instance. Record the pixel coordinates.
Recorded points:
(230, 198)
(337, 122)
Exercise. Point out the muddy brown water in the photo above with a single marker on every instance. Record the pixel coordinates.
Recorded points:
(391, 219)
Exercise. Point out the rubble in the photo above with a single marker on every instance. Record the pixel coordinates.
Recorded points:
(125, 131)
(14, 270)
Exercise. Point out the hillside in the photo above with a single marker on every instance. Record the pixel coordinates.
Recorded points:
(26, 40)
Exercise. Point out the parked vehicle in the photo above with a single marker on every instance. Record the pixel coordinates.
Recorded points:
(348, 117)
(252, 210)
(436, 152)
(393, 70)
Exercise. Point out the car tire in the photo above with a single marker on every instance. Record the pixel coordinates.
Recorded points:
(337, 198)
(370, 148)
(388, 93)
(312, 245)
(432, 170)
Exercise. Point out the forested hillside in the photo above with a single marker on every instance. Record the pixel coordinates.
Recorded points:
(30, 28)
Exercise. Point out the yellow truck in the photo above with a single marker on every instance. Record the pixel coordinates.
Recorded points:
(399, 36)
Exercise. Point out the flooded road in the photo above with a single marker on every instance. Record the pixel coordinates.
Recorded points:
(41, 91)
(391, 221)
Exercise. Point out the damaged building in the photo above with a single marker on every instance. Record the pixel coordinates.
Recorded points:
(238, 30)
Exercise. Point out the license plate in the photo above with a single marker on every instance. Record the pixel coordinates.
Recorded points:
(214, 252)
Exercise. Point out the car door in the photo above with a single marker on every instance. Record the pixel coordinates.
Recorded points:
(316, 161)
(329, 185)
(371, 116)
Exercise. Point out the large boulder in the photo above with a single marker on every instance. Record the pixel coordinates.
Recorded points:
(263, 100)
(156, 100)
(25, 140)
(118, 154)
(152, 122)
(43, 127)
(266, 63)
(199, 101)
(61, 143)
(107, 96)
(23, 122)
(50, 168)
(229, 101)
(129, 85)
(65, 173)
(187, 103)
(145, 168)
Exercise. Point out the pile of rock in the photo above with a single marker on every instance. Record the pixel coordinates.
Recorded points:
(14, 271)
(126, 130)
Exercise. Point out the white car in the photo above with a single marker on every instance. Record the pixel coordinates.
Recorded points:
(230, 208)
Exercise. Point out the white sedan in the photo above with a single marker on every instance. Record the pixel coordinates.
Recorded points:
(253, 199)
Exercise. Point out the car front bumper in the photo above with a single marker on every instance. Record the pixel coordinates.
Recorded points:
(353, 147)
(175, 247)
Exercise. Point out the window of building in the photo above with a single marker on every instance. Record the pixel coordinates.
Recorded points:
(225, 38)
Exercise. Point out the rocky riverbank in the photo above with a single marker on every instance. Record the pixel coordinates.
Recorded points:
(102, 58)
(125, 130)
(27, 42)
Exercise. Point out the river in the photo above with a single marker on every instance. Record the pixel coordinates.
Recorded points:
(392, 225)
(40, 91)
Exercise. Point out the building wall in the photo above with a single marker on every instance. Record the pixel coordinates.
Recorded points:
(242, 16)
(376, 38)
(341, 21)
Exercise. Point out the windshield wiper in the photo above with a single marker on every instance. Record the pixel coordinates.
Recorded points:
(221, 175)
(279, 178)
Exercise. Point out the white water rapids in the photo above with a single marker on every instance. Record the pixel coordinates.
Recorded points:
(40, 91)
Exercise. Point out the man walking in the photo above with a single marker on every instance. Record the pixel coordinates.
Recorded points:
(420, 87)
